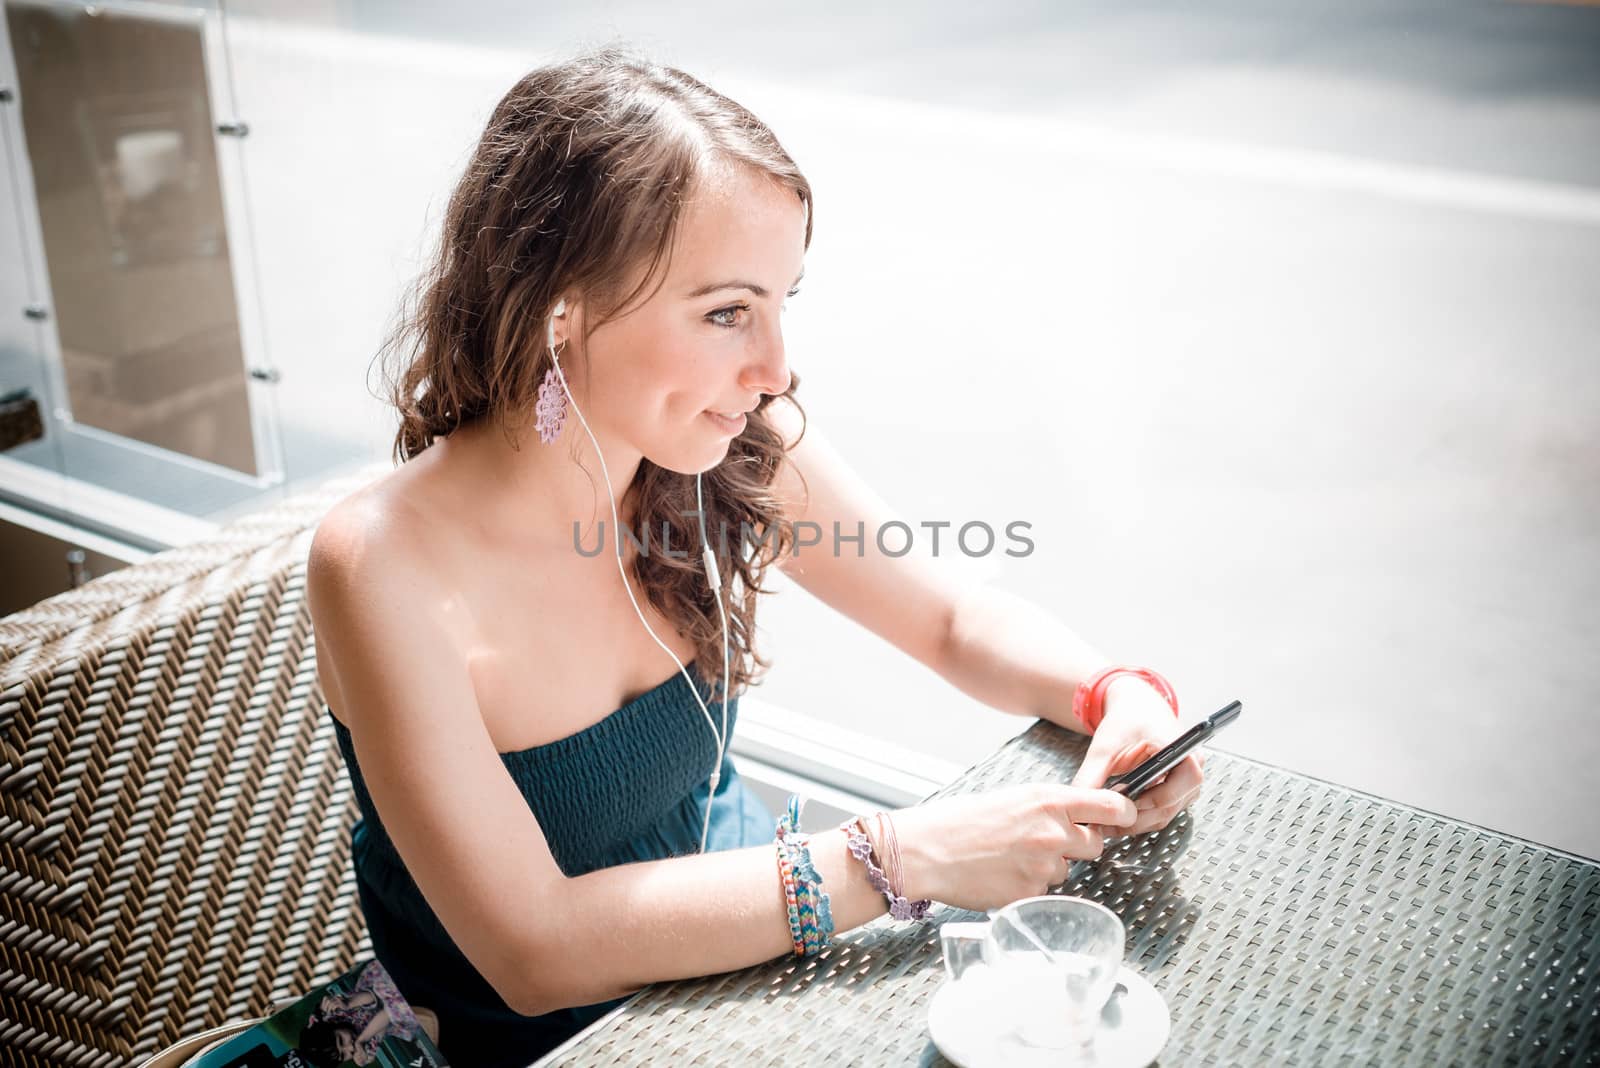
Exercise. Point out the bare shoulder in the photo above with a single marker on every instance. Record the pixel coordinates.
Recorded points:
(373, 589)
(377, 530)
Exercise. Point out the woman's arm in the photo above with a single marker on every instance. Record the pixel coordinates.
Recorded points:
(359, 998)
(1014, 656)
(691, 916)
(992, 645)
(543, 940)
(375, 1027)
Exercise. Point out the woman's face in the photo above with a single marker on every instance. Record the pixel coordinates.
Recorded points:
(710, 339)
(346, 1041)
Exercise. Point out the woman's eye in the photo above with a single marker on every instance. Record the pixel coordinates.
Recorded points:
(728, 317)
(731, 313)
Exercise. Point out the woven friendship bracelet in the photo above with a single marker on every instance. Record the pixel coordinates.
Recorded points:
(811, 915)
(819, 929)
(808, 919)
(791, 900)
(788, 823)
(861, 848)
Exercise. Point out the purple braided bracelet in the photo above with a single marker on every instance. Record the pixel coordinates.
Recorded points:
(861, 849)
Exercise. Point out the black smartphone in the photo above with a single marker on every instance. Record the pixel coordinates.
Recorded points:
(1155, 768)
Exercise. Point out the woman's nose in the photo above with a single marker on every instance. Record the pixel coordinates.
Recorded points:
(768, 371)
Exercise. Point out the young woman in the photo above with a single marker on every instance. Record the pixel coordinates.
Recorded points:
(349, 1027)
(550, 817)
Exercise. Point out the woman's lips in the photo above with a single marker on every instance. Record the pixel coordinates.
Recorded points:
(727, 425)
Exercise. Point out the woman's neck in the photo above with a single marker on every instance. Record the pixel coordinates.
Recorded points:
(539, 491)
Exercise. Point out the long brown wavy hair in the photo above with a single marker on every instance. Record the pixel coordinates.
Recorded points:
(576, 184)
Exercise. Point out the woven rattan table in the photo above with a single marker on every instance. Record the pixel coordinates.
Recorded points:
(1284, 919)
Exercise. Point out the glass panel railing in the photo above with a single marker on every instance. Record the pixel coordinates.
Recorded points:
(119, 135)
(137, 265)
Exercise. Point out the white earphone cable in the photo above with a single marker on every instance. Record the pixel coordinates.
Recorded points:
(712, 575)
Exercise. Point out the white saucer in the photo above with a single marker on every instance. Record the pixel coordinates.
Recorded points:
(1133, 1028)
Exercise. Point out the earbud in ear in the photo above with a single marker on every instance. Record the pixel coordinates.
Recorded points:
(550, 329)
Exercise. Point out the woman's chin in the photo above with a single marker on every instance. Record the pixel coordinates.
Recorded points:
(702, 459)
(709, 464)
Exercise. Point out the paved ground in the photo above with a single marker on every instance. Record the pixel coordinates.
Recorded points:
(1280, 328)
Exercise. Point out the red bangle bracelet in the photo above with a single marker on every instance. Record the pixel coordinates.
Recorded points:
(1089, 702)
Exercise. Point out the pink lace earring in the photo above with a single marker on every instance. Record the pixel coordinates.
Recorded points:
(550, 410)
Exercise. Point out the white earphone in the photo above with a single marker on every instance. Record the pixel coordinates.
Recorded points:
(712, 574)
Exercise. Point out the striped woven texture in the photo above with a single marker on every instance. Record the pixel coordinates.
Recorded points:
(174, 813)
(1284, 920)
(34, 633)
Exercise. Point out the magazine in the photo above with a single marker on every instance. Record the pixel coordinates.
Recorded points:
(360, 1018)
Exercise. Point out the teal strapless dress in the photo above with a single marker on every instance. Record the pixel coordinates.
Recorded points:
(631, 787)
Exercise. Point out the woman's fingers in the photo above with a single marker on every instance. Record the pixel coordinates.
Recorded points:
(1102, 806)
(1157, 818)
(1085, 842)
(1159, 805)
(1180, 782)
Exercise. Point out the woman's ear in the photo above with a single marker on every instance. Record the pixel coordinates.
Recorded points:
(563, 321)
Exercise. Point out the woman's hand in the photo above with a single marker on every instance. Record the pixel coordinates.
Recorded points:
(367, 1041)
(1138, 722)
(335, 1003)
(982, 851)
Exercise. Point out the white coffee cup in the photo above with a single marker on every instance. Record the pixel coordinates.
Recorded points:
(1048, 965)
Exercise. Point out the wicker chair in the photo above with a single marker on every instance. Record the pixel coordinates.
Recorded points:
(174, 813)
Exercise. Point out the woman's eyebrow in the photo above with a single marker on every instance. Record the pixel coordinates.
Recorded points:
(758, 290)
